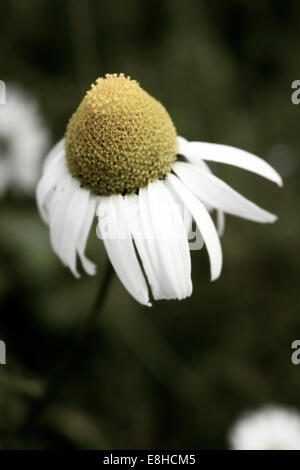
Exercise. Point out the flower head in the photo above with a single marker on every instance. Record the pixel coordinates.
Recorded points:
(118, 161)
(270, 428)
(120, 138)
(23, 141)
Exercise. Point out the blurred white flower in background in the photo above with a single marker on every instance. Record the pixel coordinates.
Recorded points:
(270, 428)
(24, 140)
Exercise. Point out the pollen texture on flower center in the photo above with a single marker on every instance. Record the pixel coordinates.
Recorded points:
(120, 138)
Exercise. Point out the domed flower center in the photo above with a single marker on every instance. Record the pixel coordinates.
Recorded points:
(120, 138)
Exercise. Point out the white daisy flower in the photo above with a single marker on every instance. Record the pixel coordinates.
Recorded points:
(23, 141)
(270, 428)
(118, 161)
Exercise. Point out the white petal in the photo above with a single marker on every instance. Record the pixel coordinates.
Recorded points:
(149, 239)
(204, 222)
(140, 228)
(121, 251)
(56, 170)
(57, 152)
(183, 149)
(187, 221)
(63, 193)
(199, 151)
(164, 288)
(220, 222)
(88, 266)
(68, 209)
(75, 213)
(213, 191)
(171, 239)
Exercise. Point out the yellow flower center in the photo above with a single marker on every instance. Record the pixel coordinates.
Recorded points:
(120, 138)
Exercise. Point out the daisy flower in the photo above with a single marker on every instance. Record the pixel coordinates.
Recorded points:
(122, 161)
(23, 141)
(270, 428)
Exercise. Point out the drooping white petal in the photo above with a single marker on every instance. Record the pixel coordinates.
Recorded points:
(56, 170)
(182, 143)
(56, 153)
(88, 266)
(68, 209)
(142, 233)
(151, 234)
(215, 192)
(187, 217)
(183, 149)
(63, 193)
(220, 222)
(119, 246)
(171, 238)
(204, 222)
(196, 152)
(74, 217)
(165, 284)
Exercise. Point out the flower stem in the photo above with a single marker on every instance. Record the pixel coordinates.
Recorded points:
(61, 371)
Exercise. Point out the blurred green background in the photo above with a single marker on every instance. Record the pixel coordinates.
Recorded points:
(176, 375)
